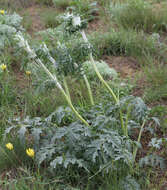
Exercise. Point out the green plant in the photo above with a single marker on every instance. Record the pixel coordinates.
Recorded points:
(103, 68)
(88, 9)
(27, 21)
(9, 24)
(114, 42)
(139, 14)
(73, 24)
(45, 2)
(160, 111)
(62, 143)
(50, 19)
(7, 91)
(15, 4)
(156, 83)
(63, 4)
(25, 179)
(126, 42)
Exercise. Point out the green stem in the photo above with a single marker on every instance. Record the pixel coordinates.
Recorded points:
(66, 88)
(110, 90)
(102, 80)
(126, 121)
(87, 85)
(138, 140)
(89, 89)
(54, 78)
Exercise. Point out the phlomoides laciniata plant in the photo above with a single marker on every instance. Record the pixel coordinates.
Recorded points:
(137, 111)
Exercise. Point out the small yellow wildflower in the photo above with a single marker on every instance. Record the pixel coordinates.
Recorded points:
(3, 67)
(28, 73)
(30, 152)
(2, 12)
(9, 146)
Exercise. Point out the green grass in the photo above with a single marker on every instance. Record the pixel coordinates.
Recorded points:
(27, 21)
(24, 178)
(62, 4)
(156, 89)
(49, 18)
(125, 42)
(139, 14)
(44, 2)
(15, 4)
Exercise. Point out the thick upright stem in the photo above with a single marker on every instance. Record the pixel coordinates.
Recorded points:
(138, 140)
(102, 80)
(87, 85)
(66, 88)
(89, 89)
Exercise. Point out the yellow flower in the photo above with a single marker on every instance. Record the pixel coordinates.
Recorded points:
(9, 146)
(30, 152)
(2, 12)
(28, 73)
(3, 67)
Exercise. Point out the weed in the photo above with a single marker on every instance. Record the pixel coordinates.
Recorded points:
(156, 79)
(125, 42)
(139, 14)
(62, 4)
(27, 21)
(44, 2)
(50, 19)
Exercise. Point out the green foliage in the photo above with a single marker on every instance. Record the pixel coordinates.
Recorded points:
(27, 21)
(156, 79)
(87, 9)
(153, 160)
(105, 122)
(14, 158)
(63, 144)
(160, 111)
(7, 91)
(65, 63)
(122, 42)
(45, 2)
(74, 146)
(139, 14)
(103, 68)
(63, 4)
(99, 157)
(50, 19)
(126, 42)
(15, 4)
(9, 24)
(26, 179)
